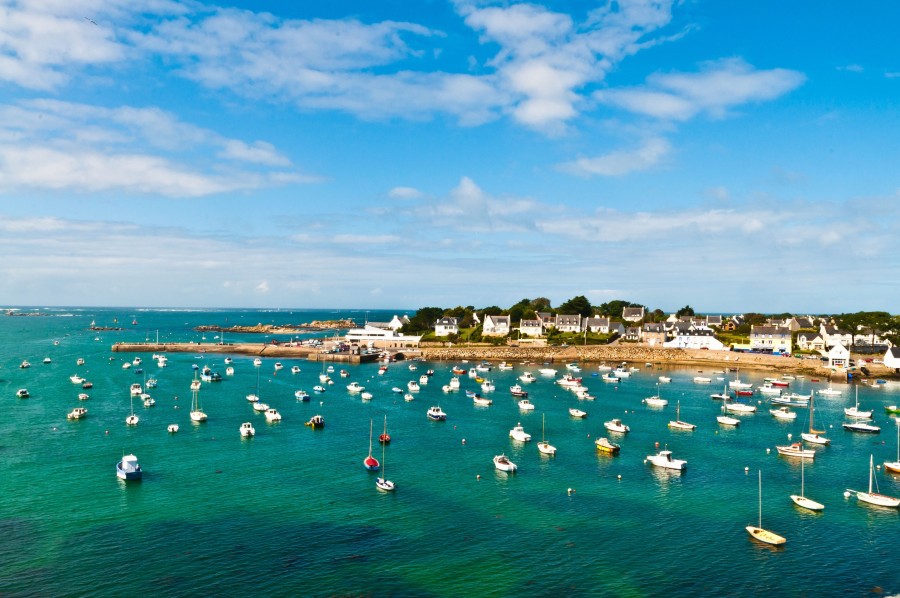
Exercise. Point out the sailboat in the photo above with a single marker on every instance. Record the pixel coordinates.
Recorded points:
(678, 424)
(873, 498)
(895, 466)
(196, 414)
(370, 462)
(382, 483)
(814, 436)
(132, 420)
(254, 397)
(800, 499)
(543, 446)
(855, 412)
(758, 532)
(656, 401)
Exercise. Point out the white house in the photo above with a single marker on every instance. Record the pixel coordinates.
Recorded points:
(633, 314)
(495, 326)
(838, 356)
(892, 358)
(398, 323)
(446, 326)
(383, 338)
(568, 323)
(695, 339)
(832, 336)
(770, 338)
(810, 341)
(531, 328)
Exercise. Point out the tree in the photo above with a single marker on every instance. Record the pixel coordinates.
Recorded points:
(423, 320)
(614, 308)
(687, 310)
(658, 315)
(540, 304)
(577, 305)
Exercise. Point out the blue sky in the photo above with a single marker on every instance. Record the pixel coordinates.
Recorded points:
(734, 156)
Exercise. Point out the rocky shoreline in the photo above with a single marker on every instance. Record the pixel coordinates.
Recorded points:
(315, 325)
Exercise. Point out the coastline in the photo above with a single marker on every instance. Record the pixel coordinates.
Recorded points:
(611, 354)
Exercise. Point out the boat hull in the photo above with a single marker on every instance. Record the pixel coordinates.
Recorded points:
(764, 535)
(806, 503)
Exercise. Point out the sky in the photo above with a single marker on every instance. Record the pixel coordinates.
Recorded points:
(730, 156)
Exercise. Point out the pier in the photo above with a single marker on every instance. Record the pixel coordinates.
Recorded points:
(255, 349)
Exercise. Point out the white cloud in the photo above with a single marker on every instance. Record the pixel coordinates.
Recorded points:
(405, 193)
(717, 88)
(620, 163)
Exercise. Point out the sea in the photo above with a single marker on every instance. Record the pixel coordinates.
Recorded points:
(292, 511)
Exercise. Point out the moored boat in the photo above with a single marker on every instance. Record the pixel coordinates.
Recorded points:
(518, 433)
(435, 413)
(129, 469)
(665, 460)
(616, 425)
(316, 421)
(796, 449)
(604, 445)
(874, 498)
(247, 430)
(77, 413)
(577, 412)
(502, 463)
(22, 393)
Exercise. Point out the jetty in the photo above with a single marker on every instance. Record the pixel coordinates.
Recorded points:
(256, 349)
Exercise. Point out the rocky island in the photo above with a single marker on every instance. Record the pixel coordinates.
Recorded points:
(315, 325)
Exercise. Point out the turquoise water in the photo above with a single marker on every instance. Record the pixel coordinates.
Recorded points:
(292, 511)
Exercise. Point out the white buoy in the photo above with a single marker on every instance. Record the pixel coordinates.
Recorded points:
(846, 494)
(478, 477)
(746, 469)
(463, 440)
(768, 450)
(619, 476)
(789, 436)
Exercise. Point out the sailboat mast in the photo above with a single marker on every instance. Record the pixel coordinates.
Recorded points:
(759, 472)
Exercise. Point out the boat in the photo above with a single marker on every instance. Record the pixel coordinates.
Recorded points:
(861, 427)
(517, 391)
(137, 361)
(260, 406)
(278, 366)
(136, 389)
(721, 396)
(665, 460)
(295, 369)
(365, 395)
(855, 412)
(229, 371)
(481, 401)
(783, 413)
(409, 397)
(488, 386)
(384, 438)
(355, 387)
(892, 409)
(609, 377)
(382, 483)
(573, 367)
(736, 384)
(79, 361)
(301, 395)
(527, 377)
(769, 390)
(664, 379)
(656, 401)
(604, 445)
(677, 424)
(504, 366)
(577, 412)
(526, 405)
(382, 369)
(735, 407)
(247, 430)
(197, 414)
(814, 436)
(86, 385)
(24, 364)
(129, 469)
(543, 446)
(702, 380)
(148, 400)
(874, 498)
(257, 362)
(569, 381)
(228, 360)
(76, 379)
(621, 372)
(47, 360)
(436, 414)
(458, 370)
(413, 386)
(370, 462)
(549, 372)
(77, 413)
(454, 383)
(272, 415)
(318, 388)
(616, 425)
(801, 500)
(519, 433)
(172, 428)
(316, 421)
(727, 420)
(758, 532)
(423, 379)
(894, 467)
(150, 383)
(503, 463)
(796, 449)
(22, 393)
(132, 420)
(828, 392)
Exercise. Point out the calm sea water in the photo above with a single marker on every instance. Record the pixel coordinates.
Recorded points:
(292, 511)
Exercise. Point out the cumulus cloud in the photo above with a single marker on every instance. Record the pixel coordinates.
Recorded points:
(718, 87)
(620, 163)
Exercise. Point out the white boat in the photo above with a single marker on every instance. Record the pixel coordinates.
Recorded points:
(412, 367)
(260, 406)
(272, 415)
(549, 372)
(197, 414)
(527, 377)
(408, 397)
(257, 362)
(721, 396)
(355, 387)
(783, 413)
(616, 425)
(136, 361)
(228, 360)
(861, 427)
(543, 446)
(48, 360)
(665, 460)
(736, 384)
(577, 412)
(247, 430)
(517, 391)
(769, 390)
(454, 383)
(874, 498)
(24, 364)
(569, 381)
(504, 366)
(727, 420)
(318, 388)
(172, 428)
(423, 380)
(301, 395)
(656, 401)
(150, 383)
(229, 371)
(526, 405)
(481, 401)
(76, 379)
(436, 414)
(813, 436)
(132, 420)
(609, 377)
(621, 372)
(677, 424)
(734, 407)
(129, 469)
(136, 389)
(855, 412)
(488, 386)
(758, 532)
(148, 400)
(22, 393)
(796, 449)
(316, 422)
(412, 386)
(829, 392)
(664, 379)
(894, 467)
(278, 366)
(365, 395)
(519, 433)
(604, 368)
(382, 483)
(702, 380)
(77, 413)
(801, 500)
(295, 369)
(503, 463)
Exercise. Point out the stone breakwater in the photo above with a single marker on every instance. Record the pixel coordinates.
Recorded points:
(640, 355)
(283, 329)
